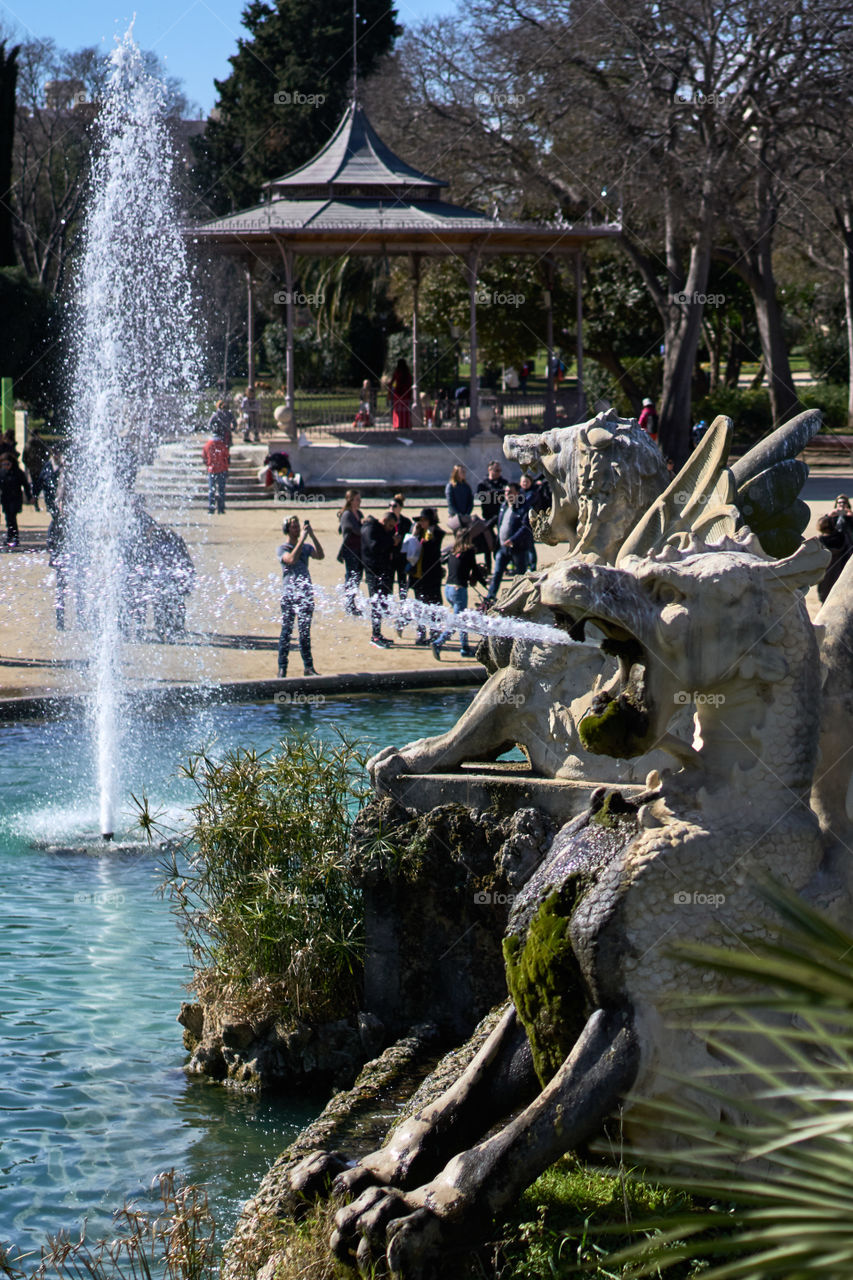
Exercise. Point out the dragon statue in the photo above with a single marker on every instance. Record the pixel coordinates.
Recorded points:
(704, 623)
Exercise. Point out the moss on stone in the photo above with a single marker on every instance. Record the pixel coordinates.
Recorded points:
(545, 983)
(612, 808)
(620, 730)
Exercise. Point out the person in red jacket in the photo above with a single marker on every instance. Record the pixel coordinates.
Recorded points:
(216, 457)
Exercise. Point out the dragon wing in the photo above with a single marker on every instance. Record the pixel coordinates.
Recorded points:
(698, 503)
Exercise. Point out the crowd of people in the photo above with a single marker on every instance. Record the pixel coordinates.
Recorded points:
(414, 556)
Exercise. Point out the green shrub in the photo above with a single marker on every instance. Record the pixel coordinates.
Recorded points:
(748, 408)
(831, 399)
(261, 883)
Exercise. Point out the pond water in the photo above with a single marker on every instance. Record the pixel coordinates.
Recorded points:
(93, 1100)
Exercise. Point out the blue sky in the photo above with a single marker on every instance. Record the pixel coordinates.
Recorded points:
(194, 37)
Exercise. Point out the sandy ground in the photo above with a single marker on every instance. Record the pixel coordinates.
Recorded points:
(233, 618)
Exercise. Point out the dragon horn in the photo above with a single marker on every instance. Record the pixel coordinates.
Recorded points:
(698, 500)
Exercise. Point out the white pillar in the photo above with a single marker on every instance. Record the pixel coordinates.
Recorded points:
(250, 326)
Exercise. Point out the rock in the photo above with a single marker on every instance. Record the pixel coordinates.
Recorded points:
(530, 834)
(237, 1035)
(371, 1031)
(191, 1018)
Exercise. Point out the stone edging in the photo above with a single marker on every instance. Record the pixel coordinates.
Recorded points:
(360, 682)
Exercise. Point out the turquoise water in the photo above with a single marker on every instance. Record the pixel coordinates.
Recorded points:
(93, 1101)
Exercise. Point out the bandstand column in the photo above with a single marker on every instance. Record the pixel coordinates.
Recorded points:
(250, 325)
(474, 397)
(550, 420)
(415, 261)
(289, 418)
(579, 324)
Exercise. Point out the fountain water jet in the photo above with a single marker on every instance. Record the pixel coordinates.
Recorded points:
(135, 371)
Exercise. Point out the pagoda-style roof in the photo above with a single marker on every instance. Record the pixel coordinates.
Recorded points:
(357, 196)
(354, 163)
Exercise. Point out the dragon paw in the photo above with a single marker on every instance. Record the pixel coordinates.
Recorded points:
(311, 1179)
(385, 766)
(359, 1235)
(383, 1224)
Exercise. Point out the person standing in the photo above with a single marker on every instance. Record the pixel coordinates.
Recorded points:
(490, 494)
(297, 593)
(462, 569)
(400, 387)
(460, 500)
(349, 524)
(13, 486)
(514, 538)
(35, 455)
(426, 572)
(49, 481)
(222, 422)
(58, 544)
(403, 526)
(648, 418)
(379, 543)
(217, 459)
(251, 411)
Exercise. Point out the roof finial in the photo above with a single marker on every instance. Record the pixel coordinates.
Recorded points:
(354, 53)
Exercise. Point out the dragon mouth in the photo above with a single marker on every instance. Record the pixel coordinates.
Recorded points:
(622, 717)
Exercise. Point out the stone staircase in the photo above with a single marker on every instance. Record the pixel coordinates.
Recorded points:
(178, 476)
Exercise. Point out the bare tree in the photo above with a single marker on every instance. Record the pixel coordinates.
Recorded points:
(689, 108)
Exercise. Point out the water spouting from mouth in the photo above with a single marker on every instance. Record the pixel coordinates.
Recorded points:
(135, 370)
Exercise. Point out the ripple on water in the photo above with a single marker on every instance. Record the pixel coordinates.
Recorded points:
(93, 1101)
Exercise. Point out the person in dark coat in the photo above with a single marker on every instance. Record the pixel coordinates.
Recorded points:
(35, 455)
(426, 573)
(490, 493)
(462, 569)
(402, 526)
(833, 536)
(13, 486)
(514, 537)
(460, 500)
(379, 543)
(349, 524)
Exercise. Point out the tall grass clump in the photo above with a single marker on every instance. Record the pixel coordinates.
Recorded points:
(261, 881)
(175, 1243)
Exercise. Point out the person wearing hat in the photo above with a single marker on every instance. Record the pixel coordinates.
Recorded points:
(297, 593)
(648, 418)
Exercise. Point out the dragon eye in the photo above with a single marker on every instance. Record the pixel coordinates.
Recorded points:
(664, 592)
